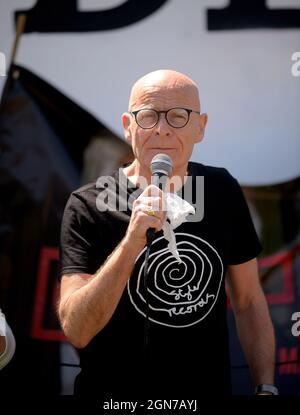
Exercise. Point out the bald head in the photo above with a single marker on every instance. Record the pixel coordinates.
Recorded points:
(162, 82)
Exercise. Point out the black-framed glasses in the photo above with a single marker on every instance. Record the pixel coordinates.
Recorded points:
(175, 117)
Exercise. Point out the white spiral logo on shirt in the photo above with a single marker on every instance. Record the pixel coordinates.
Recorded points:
(180, 294)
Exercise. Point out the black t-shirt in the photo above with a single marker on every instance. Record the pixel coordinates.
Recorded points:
(187, 351)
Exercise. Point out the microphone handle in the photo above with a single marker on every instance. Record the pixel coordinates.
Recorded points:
(158, 179)
(150, 235)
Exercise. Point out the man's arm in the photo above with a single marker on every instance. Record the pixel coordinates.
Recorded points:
(87, 301)
(253, 320)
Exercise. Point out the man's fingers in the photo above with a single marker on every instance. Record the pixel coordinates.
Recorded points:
(155, 202)
(152, 190)
(150, 210)
(152, 196)
(153, 218)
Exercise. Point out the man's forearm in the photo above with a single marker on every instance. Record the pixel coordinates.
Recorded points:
(88, 309)
(256, 335)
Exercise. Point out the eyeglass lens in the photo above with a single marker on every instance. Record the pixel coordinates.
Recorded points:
(176, 117)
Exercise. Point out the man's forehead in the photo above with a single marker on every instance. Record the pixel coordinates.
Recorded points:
(165, 82)
(163, 93)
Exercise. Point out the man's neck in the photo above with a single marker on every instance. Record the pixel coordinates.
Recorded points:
(141, 177)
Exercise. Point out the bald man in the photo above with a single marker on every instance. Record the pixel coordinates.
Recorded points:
(103, 299)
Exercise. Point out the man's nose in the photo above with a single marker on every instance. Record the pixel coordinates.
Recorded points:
(162, 127)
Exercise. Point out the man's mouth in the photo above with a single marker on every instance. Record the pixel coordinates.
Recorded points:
(162, 148)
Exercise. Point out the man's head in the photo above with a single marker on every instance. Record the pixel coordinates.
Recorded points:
(162, 90)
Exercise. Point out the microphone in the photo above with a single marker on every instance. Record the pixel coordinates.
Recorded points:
(161, 168)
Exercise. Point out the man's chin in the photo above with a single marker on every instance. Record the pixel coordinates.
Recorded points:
(158, 150)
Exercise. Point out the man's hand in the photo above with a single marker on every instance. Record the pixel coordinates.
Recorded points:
(152, 198)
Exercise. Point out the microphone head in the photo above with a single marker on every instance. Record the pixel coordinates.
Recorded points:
(161, 163)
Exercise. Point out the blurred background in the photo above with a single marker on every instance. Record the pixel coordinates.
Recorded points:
(66, 70)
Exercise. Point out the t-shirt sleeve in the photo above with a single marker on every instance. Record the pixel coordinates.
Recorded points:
(76, 239)
(244, 243)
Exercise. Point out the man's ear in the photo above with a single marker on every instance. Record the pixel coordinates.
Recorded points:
(126, 120)
(202, 124)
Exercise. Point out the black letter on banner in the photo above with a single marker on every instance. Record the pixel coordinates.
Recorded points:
(251, 14)
(50, 16)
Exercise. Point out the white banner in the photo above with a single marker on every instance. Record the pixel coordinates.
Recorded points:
(248, 79)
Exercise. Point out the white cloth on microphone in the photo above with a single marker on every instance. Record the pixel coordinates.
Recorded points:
(177, 211)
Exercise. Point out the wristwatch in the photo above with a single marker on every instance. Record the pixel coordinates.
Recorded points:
(266, 388)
